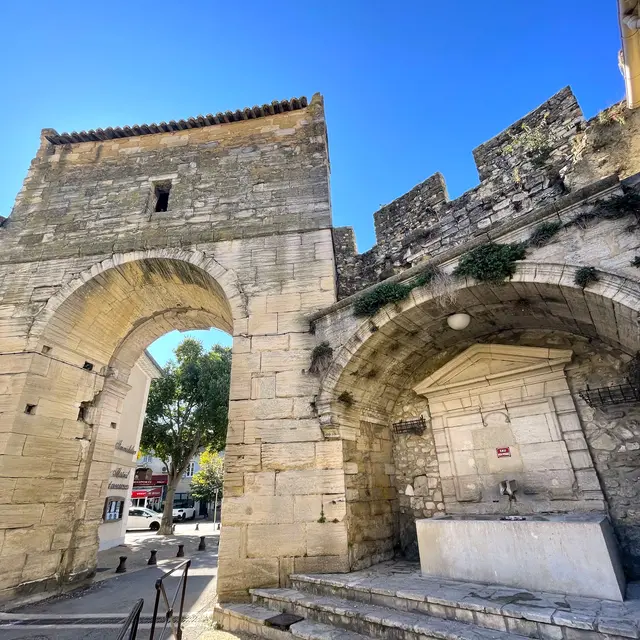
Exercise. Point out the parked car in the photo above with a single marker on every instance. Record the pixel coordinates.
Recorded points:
(143, 519)
(182, 513)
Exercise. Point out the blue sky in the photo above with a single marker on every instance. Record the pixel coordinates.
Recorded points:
(410, 87)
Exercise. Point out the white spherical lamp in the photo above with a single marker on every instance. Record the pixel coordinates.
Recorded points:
(459, 321)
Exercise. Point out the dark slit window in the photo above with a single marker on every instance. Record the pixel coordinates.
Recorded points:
(162, 196)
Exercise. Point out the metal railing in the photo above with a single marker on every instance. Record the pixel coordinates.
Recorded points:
(131, 623)
(170, 623)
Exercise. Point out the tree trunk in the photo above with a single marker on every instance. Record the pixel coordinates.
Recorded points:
(166, 525)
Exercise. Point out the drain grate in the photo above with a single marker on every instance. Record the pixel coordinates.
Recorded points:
(283, 621)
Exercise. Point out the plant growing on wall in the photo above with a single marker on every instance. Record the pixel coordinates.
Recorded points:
(320, 358)
(536, 141)
(491, 262)
(614, 114)
(636, 262)
(543, 233)
(187, 411)
(372, 301)
(585, 276)
(346, 398)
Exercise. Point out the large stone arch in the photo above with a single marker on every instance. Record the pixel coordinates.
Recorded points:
(379, 360)
(225, 278)
(92, 270)
(90, 336)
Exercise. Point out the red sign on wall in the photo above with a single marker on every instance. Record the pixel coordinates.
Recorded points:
(503, 452)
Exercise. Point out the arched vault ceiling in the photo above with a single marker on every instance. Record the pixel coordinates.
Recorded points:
(395, 350)
(122, 310)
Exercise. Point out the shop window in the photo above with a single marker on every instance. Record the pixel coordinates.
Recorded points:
(113, 508)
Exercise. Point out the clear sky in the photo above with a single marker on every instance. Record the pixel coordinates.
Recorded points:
(410, 87)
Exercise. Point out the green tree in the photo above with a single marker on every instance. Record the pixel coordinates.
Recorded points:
(186, 412)
(206, 484)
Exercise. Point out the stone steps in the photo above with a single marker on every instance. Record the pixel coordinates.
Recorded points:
(250, 618)
(534, 615)
(372, 621)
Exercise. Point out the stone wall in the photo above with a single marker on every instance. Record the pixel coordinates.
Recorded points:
(613, 436)
(551, 152)
(91, 273)
(417, 476)
(371, 495)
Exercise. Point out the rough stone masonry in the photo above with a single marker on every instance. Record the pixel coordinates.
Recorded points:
(121, 235)
(92, 270)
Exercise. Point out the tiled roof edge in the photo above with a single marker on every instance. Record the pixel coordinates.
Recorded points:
(110, 133)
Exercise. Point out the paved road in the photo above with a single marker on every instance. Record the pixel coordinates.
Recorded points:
(109, 602)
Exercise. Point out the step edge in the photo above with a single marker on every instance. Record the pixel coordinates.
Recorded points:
(384, 621)
(516, 611)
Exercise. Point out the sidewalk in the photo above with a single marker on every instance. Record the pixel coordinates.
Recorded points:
(97, 610)
(138, 545)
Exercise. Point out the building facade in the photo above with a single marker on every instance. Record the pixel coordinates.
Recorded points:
(125, 453)
(473, 344)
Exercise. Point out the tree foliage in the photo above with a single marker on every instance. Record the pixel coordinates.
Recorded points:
(208, 479)
(187, 411)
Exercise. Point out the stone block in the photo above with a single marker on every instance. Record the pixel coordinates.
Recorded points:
(275, 361)
(545, 555)
(321, 564)
(276, 540)
(580, 459)
(326, 539)
(545, 455)
(281, 431)
(11, 444)
(329, 454)
(25, 467)
(13, 516)
(7, 486)
(257, 572)
(270, 343)
(309, 508)
(41, 565)
(266, 409)
(289, 483)
(262, 484)
(588, 480)
(263, 323)
(242, 457)
(38, 490)
(301, 455)
(31, 540)
(258, 509)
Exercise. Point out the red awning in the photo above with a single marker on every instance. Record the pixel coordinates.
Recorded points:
(155, 492)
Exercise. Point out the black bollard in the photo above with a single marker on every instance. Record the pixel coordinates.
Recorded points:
(202, 546)
(152, 557)
(121, 568)
(197, 526)
(173, 528)
(180, 553)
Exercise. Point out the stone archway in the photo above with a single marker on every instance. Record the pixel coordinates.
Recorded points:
(384, 358)
(86, 346)
(91, 271)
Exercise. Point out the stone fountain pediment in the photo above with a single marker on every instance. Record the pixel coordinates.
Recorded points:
(485, 362)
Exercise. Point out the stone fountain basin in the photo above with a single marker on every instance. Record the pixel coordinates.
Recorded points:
(574, 554)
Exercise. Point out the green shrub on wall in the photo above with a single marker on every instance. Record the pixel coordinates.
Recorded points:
(371, 302)
(543, 233)
(491, 262)
(585, 276)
